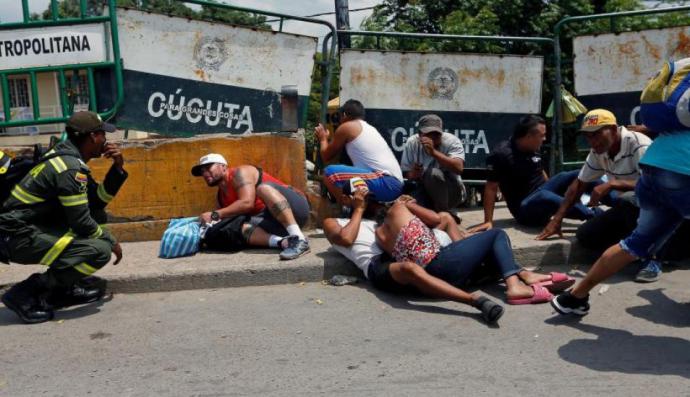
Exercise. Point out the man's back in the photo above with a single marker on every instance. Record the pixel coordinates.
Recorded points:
(369, 150)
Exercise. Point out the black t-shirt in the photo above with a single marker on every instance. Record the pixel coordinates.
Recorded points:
(518, 173)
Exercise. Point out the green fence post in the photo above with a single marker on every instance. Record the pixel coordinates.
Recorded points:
(34, 96)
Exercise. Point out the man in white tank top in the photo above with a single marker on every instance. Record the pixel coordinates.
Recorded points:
(372, 159)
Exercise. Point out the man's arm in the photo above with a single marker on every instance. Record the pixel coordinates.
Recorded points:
(346, 235)
(328, 150)
(490, 192)
(574, 192)
(244, 183)
(451, 163)
(427, 216)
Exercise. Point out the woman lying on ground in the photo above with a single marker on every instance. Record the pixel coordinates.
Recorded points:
(406, 236)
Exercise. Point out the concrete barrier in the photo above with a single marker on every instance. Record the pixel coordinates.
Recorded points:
(160, 185)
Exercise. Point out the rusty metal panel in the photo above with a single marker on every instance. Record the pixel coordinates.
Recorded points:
(442, 82)
(612, 69)
(624, 62)
(187, 77)
(479, 97)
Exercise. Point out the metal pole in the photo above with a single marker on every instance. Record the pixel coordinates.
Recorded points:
(342, 22)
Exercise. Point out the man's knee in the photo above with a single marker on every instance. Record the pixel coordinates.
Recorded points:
(434, 175)
(263, 190)
(102, 253)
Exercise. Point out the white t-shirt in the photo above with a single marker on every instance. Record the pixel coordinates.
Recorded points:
(413, 152)
(370, 151)
(364, 249)
(625, 165)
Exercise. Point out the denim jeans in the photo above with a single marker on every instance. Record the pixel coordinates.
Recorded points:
(664, 198)
(540, 205)
(455, 262)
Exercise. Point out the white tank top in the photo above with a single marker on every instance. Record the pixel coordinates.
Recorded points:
(364, 249)
(369, 150)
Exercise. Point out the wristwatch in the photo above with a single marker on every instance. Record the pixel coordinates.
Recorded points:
(215, 216)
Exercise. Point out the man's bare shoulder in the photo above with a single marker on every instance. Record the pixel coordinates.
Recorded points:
(349, 129)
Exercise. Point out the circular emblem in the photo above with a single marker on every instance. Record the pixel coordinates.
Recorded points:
(442, 83)
(210, 53)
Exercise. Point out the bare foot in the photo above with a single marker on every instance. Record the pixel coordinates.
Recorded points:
(519, 291)
(532, 278)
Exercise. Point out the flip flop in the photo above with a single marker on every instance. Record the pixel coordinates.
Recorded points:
(559, 282)
(541, 295)
(491, 311)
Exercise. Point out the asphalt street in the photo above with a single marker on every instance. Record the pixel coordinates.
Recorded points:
(306, 339)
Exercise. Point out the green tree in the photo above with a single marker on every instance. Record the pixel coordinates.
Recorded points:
(71, 9)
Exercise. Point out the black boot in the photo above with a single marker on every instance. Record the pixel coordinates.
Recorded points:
(87, 290)
(26, 299)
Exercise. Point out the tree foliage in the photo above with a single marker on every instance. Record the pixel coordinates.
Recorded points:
(71, 9)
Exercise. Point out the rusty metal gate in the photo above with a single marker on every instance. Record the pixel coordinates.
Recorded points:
(479, 96)
(610, 70)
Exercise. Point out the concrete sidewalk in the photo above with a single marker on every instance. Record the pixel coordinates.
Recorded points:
(142, 271)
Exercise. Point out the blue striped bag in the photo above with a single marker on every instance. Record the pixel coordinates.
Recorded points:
(181, 238)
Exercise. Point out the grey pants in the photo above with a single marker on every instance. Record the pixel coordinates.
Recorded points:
(439, 190)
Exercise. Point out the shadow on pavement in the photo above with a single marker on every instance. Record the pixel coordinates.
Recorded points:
(616, 350)
(8, 317)
(410, 300)
(662, 309)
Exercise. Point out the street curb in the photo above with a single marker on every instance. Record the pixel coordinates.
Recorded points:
(261, 268)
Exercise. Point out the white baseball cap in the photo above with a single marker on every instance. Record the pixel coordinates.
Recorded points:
(211, 158)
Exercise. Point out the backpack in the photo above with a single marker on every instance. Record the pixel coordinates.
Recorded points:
(13, 170)
(665, 100)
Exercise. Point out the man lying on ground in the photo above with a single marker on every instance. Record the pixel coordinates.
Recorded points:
(254, 208)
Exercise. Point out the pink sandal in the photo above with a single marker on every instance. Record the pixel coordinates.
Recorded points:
(559, 282)
(541, 295)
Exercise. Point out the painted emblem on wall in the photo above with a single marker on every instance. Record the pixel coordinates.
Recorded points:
(442, 83)
(210, 53)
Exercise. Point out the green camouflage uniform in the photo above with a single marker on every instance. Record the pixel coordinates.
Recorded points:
(51, 216)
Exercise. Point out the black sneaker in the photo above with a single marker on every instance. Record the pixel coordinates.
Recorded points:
(296, 248)
(566, 303)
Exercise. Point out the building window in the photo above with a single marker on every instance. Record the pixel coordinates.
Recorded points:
(19, 92)
(81, 89)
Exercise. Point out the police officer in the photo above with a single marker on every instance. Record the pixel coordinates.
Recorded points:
(52, 217)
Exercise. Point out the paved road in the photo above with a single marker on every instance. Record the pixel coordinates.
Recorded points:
(317, 339)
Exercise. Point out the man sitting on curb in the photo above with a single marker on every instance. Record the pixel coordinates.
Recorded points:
(434, 159)
(516, 167)
(355, 238)
(615, 152)
(271, 209)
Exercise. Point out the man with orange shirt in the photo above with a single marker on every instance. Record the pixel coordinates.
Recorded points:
(254, 207)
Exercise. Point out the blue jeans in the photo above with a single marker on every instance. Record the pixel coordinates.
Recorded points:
(455, 262)
(541, 204)
(664, 199)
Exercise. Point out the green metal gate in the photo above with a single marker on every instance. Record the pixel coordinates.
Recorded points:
(613, 27)
(67, 86)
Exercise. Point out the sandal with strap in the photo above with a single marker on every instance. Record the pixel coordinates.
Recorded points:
(541, 295)
(559, 282)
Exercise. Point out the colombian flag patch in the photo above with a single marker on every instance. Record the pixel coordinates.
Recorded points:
(81, 178)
